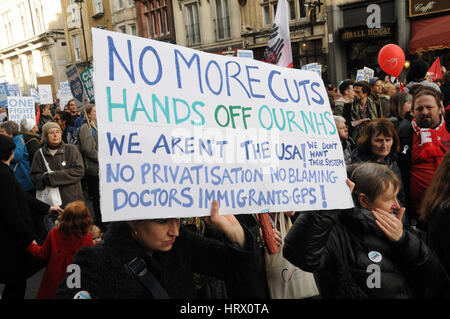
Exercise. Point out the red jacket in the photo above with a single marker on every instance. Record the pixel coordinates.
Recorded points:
(59, 251)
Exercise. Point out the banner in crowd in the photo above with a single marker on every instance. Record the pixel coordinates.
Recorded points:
(88, 83)
(20, 107)
(64, 94)
(14, 90)
(278, 49)
(178, 128)
(4, 95)
(35, 95)
(365, 74)
(45, 93)
(76, 87)
(315, 67)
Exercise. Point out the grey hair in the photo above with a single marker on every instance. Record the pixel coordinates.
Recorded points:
(10, 127)
(338, 119)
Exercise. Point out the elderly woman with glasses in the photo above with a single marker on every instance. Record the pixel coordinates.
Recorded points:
(65, 163)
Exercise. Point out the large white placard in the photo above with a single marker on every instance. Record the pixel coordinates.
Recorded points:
(178, 128)
(20, 107)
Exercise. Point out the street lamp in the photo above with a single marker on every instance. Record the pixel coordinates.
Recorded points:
(80, 2)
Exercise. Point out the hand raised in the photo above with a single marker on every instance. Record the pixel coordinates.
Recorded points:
(390, 224)
(226, 223)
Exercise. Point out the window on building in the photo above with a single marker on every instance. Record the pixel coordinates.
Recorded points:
(223, 20)
(24, 20)
(7, 24)
(123, 29)
(301, 9)
(291, 8)
(46, 63)
(158, 14)
(147, 20)
(130, 3)
(119, 4)
(74, 11)
(266, 14)
(193, 24)
(98, 6)
(76, 47)
(133, 29)
(39, 16)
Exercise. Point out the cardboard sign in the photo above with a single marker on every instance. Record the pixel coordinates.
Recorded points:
(20, 107)
(178, 128)
(45, 93)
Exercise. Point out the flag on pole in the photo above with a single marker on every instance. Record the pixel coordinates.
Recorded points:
(435, 70)
(278, 49)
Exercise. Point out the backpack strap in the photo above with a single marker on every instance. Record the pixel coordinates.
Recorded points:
(138, 268)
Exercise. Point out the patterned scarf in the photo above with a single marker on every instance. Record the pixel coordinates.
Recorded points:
(427, 146)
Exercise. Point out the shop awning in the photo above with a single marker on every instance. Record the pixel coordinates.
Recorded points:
(430, 34)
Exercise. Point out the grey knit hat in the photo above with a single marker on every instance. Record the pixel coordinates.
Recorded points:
(48, 126)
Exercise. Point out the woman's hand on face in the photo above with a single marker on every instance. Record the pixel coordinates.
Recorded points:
(226, 223)
(390, 224)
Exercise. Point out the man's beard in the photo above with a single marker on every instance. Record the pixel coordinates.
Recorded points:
(427, 122)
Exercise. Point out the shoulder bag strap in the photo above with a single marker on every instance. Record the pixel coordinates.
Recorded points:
(45, 161)
(138, 269)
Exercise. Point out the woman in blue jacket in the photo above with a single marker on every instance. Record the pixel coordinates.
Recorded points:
(20, 164)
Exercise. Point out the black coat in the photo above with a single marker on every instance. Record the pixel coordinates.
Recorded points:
(19, 216)
(103, 274)
(335, 245)
(438, 236)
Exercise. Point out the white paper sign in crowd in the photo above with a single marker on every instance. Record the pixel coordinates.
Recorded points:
(179, 128)
(45, 93)
(21, 107)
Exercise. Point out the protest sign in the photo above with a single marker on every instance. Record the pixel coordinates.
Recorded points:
(35, 95)
(4, 95)
(45, 93)
(14, 90)
(315, 67)
(178, 128)
(88, 83)
(245, 54)
(65, 94)
(20, 107)
(76, 87)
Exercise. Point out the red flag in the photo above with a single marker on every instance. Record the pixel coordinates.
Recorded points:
(435, 70)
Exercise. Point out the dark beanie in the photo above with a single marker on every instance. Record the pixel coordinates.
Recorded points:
(417, 71)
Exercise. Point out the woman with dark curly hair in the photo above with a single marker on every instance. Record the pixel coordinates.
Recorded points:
(61, 245)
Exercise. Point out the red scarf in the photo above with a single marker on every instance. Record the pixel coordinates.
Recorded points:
(427, 146)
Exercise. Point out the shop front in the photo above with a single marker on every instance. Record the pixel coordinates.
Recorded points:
(430, 31)
(367, 27)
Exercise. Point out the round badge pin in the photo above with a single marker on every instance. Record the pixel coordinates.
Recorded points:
(63, 163)
(375, 256)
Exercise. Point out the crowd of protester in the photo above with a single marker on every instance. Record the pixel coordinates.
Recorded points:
(394, 140)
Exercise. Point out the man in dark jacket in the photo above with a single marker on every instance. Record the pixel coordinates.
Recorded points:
(18, 216)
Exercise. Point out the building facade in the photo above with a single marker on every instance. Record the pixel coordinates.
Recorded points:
(155, 20)
(32, 45)
(123, 16)
(79, 17)
(208, 25)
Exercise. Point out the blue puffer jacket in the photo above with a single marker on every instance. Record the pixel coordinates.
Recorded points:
(20, 164)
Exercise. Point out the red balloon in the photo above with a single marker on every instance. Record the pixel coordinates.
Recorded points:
(391, 59)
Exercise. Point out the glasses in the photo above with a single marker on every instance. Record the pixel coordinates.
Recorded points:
(54, 132)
